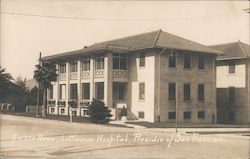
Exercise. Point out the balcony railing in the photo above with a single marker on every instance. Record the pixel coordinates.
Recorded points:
(72, 103)
(62, 77)
(51, 102)
(61, 103)
(85, 75)
(99, 73)
(73, 75)
(120, 73)
(84, 103)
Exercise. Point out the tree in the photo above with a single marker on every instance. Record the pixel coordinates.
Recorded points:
(44, 75)
(5, 82)
(98, 112)
(21, 83)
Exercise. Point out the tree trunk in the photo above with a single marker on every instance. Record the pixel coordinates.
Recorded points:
(44, 108)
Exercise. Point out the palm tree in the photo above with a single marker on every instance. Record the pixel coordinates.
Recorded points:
(44, 75)
(5, 82)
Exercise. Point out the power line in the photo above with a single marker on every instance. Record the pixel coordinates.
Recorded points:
(116, 19)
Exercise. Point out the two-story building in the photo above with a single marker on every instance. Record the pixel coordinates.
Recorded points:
(151, 74)
(233, 75)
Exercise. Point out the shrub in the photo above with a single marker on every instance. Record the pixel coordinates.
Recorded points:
(98, 112)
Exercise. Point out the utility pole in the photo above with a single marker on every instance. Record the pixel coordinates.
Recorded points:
(176, 97)
(38, 89)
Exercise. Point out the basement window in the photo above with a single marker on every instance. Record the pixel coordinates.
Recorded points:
(141, 115)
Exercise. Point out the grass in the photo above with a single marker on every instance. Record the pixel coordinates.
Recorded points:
(75, 119)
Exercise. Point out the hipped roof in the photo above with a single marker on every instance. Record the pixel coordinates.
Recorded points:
(235, 50)
(155, 39)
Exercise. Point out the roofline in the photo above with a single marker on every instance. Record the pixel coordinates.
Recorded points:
(242, 49)
(51, 58)
(231, 58)
(157, 37)
(224, 43)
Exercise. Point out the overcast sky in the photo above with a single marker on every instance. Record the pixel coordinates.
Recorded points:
(58, 26)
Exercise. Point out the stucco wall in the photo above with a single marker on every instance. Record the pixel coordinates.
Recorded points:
(147, 76)
(239, 80)
(194, 77)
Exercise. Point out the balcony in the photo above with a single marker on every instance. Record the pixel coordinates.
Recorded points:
(85, 75)
(72, 103)
(61, 103)
(85, 103)
(51, 102)
(120, 74)
(62, 77)
(73, 75)
(99, 73)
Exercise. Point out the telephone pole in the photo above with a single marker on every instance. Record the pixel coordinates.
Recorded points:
(38, 90)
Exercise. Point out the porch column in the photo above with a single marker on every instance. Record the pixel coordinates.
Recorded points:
(108, 82)
(67, 93)
(79, 92)
(56, 91)
(91, 79)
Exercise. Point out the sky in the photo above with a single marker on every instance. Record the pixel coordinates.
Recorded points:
(57, 26)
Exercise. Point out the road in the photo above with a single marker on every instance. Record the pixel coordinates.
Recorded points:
(31, 137)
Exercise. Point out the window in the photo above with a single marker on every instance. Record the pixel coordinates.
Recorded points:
(99, 62)
(62, 68)
(231, 94)
(73, 91)
(187, 61)
(141, 91)
(51, 92)
(120, 61)
(201, 62)
(85, 91)
(86, 64)
(100, 90)
(62, 91)
(141, 115)
(171, 91)
(118, 91)
(62, 111)
(201, 114)
(187, 91)
(231, 116)
(73, 113)
(172, 61)
(201, 92)
(171, 115)
(231, 67)
(142, 59)
(73, 66)
(52, 110)
(85, 112)
(116, 61)
(187, 115)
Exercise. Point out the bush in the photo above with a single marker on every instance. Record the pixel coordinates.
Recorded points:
(98, 112)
